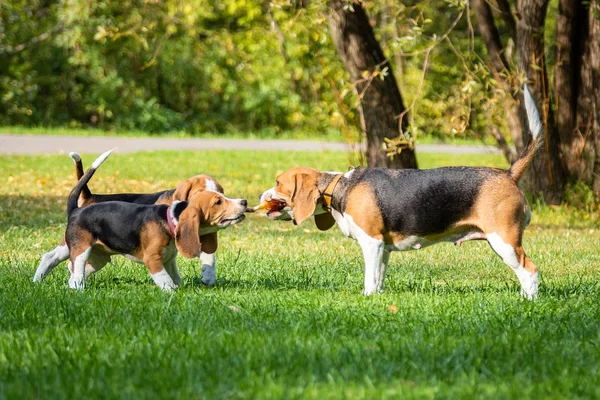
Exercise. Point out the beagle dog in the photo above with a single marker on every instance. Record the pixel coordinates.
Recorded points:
(186, 189)
(149, 234)
(397, 210)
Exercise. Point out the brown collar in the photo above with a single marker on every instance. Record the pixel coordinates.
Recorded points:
(328, 193)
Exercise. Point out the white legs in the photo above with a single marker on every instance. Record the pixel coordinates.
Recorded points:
(77, 279)
(163, 280)
(376, 259)
(50, 260)
(209, 274)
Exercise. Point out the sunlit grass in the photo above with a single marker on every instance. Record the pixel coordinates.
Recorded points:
(286, 318)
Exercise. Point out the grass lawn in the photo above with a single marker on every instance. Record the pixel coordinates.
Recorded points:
(286, 318)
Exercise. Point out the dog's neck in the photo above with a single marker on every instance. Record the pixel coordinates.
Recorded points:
(172, 220)
(327, 193)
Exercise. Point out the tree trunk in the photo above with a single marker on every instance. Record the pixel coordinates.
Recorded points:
(578, 90)
(545, 176)
(593, 82)
(499, 66)
(380, 100)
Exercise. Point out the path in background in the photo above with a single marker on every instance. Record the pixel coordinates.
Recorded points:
(37, 144)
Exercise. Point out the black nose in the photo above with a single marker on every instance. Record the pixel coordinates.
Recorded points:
(244, 203)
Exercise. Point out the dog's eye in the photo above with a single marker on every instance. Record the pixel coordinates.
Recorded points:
(218, 202)
(276, 183)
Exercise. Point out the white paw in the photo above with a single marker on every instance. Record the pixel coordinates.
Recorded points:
(76, 282)
(529, 290)
(169, 288)
(38, 277)
(209, 275)
(373, 290)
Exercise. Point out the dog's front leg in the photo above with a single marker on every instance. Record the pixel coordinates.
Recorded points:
(160, 276)
(209, 274)
(376, 258)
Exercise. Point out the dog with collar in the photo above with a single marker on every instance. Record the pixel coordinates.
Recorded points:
(397, 210)
(186, 189)
(149, 234)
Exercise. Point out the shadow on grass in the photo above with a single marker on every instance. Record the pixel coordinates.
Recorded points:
(31, 211)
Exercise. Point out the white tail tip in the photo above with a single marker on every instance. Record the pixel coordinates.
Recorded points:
(533, 116)
(75, 156)
(98, 162)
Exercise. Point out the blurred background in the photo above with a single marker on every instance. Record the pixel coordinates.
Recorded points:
(322, 70)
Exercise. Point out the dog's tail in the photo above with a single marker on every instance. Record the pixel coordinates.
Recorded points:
(535, 127)
(74, 196)
(86, 194)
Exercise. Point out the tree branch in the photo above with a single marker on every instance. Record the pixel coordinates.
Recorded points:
(33, 41)
(490, 35)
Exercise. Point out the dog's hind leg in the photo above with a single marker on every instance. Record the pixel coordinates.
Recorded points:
(95, 263)
(77, 279)
(50, 260)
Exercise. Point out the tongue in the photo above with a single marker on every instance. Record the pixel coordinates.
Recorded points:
(273, 214)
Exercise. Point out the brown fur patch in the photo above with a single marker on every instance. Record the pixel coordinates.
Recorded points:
(500, 207)
(192, 186)
(362, 206)
(153, 240)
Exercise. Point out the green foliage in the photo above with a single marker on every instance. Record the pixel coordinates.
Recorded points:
(159, 66)
(286, 318)
(230, 66)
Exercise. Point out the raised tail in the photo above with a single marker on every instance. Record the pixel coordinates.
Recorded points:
(535, 128)
(74, 195)
(86, 194)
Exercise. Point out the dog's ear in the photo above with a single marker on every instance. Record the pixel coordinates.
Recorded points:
(324, 221)
(209, 242)
(305, 197)
(187, 239)
(182, 190)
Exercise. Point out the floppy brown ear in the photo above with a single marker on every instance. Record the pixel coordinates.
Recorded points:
(209, 242)
(187, 239)
(324, 221)
(305, 197)
(182, 190)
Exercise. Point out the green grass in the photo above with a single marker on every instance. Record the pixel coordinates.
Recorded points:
(286, 318)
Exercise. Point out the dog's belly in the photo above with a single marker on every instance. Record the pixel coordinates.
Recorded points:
(133, 258)
(418, 242)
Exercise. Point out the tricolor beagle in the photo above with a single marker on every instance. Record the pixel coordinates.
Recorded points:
(396, 210)
(150, 234)
(186, 189)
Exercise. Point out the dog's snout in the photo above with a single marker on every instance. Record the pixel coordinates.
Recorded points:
(260, 196)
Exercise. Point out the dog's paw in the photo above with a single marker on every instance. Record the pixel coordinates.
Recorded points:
(76, 282)
(209, 275)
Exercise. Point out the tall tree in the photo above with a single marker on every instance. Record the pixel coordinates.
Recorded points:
(572, 149)
(382, 110)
